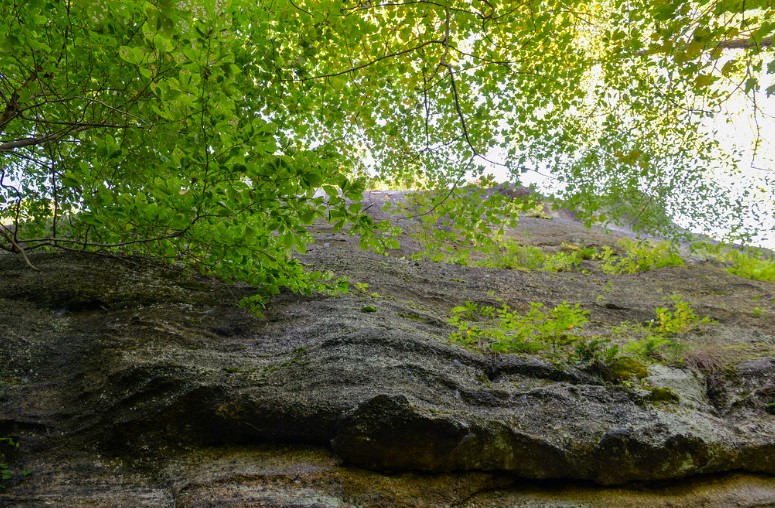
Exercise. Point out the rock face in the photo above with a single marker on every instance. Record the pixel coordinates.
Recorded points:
(131, 384)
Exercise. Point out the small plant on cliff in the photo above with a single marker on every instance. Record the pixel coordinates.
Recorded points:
(6, 472)
(652, 346)
(562, 262)
(679, 321)
(509, 254)
(657, 339)
(596, 351)
(511, 332)
(751, 264)
(639, 256)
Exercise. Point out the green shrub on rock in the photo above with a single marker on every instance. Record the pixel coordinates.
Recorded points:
(538, 329)
(639, 256)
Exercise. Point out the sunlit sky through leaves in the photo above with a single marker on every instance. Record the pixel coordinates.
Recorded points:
(737, 130)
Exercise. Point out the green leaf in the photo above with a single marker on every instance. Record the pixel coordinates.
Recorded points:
(133, 55)
(67, 181)
(703, 81)
(728, 68)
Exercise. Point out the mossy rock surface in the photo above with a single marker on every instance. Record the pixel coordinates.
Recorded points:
(660, 394)
(626, 368)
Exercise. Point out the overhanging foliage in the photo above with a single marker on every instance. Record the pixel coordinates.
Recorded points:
(214, 132)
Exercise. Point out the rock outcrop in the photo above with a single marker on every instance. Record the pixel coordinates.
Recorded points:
(133, 384)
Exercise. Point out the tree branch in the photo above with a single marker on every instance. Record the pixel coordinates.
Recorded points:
(363, 7)
(5, 233)
(20, 143)
(745, 43)
(729, 44)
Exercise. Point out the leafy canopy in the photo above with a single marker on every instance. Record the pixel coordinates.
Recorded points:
(214, 133)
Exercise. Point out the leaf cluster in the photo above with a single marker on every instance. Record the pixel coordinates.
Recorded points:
(175, 149)
(6, 471)
(558, 333)
(639, 256)
(213, 134)
(506, 331)
(454, 224)
(657, 340)
(749, 263)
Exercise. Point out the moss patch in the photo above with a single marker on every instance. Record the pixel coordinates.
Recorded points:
(626, 368)
(662, 394)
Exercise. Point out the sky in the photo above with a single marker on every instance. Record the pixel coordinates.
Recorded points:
(737, 131)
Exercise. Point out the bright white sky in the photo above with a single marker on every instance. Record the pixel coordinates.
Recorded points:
(737, 132)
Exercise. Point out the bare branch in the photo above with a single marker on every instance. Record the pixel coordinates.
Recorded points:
(9, 237)
(54, 136)
(21, 143)
(54, 242)
(300, 9)
(459, 111)
(745, 43)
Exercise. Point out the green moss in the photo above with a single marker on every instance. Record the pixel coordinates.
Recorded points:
(661, 394)
(625, 368)
(368, 308)
(416, 317)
